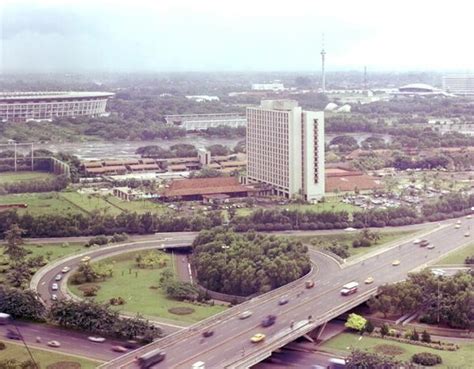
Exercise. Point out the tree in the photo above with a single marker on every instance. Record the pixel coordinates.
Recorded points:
(369, 327)
(425, 337)
(415, 335)
(356, 322)
(218, 150)
(384, 330)
(181, 290)
(24, 304)
(13, 247)
(382, 303)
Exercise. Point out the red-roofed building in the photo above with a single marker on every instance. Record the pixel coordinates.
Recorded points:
(194, 189)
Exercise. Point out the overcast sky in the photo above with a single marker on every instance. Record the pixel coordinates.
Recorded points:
(238, 35)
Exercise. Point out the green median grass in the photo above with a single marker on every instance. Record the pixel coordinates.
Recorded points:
(321, 241)
(90, 203)
(26, 176)
(344, 342)
(458, 256)
(139, 288)
(138, 206)
(42, 357)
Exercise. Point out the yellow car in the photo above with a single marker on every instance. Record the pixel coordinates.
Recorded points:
(369, 280)
(396, 262)
(258, 338)
(85, 259)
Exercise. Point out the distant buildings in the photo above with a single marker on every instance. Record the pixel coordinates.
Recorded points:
(459, 84)
(25, 106)
(202, 98)
(200, 122)
(419, 89)
(285, 149)
(268, 86)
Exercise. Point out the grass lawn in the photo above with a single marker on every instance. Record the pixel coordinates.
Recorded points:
(347, 238)
(12, 177)
(42, 357)
(463, 358)
(41, 203)
(90, 203)
(331, 204)
(139, 297)
(458, 256)
(139, 206)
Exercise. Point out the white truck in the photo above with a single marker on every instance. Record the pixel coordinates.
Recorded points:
(349, 288)
(198, 365)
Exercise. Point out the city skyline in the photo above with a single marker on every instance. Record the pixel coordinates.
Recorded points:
(186, 36)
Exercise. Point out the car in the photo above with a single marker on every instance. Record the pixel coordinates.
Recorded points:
(259, 337)
(417, 241)
(207, 333)
(430, 247)
(58, 277)
(468, 216)
(268, 321)
(54, 287)
(396, 262)
(309, 284)
(424, 243)
(14, 335)
(369, 280)
(118, 348)
(54, 344)
(467, 234)
(246, 314)
(283, 301)
(131, 344)
(96, 339)
(65, 269)
(438, 272)
(54, 297)
(457, 226)
(458, 222)
(350, 229)
(85, 259)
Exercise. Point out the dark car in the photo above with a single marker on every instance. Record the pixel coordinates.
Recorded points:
(14, 335)
(268, 321)
(131, 344)
(207, 333)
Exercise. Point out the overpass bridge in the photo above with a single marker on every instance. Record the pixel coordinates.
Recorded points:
(230, 346)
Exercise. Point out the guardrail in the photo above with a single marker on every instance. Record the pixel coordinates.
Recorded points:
(265, 351)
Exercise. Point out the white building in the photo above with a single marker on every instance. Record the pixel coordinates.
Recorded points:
(202, 98)
(285, 149)
(200, 122)
(268, 86)
(459, 84)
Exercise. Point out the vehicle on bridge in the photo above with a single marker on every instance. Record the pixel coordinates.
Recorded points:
(424, 243)
(369, 280)
(4, 318)
(335, 363)
(207, 333)
(283, 301)
(54, 287)
(396, 263)
(199, 365)
(349, 288)
(246, 314)
(268, 321)
(467, 234)
(151, 358)
(309, 284)
(259, 337)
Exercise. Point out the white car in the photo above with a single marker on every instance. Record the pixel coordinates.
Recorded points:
(96, 339)
(58, 277)
(54, 344)
(65, 269)
(54, 297)
(417, 241)
(54, 287)
(430, 247)
(246, 314)
(468, 216)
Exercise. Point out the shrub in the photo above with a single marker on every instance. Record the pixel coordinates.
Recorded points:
(384, 330)
(415, 336)
(117, 301)
(98, 240)
(425, 337)
(427, 359)
(369, 327)
(2, 346)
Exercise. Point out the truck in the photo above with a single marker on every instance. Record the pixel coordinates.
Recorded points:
(151, 358)
(349, 288)
(198, 365)
(336, 363)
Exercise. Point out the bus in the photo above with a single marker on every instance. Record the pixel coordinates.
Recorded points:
(4, 318)
(349, 288)
(151, 358)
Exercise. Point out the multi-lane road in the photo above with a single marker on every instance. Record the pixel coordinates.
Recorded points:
(230, 346)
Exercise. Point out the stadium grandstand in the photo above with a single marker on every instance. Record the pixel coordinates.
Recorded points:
(26, 106)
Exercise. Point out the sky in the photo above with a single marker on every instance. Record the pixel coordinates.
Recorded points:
(241, 35)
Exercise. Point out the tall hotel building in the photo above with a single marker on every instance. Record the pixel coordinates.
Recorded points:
(285, 149)
(459, 84)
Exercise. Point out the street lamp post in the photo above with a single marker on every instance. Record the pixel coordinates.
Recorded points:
(225, 247)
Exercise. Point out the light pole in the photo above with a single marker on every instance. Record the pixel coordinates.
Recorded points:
(225, 247)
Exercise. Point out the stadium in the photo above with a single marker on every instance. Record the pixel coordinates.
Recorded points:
(25, 106)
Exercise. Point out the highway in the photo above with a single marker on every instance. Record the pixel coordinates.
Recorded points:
(230, 346)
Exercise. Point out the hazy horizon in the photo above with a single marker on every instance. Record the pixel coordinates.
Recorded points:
(53, 36)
